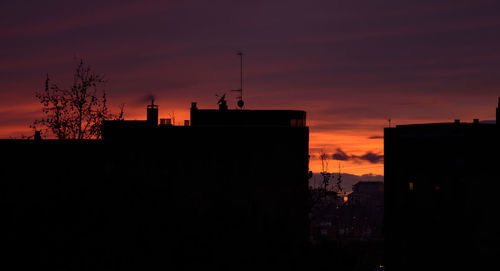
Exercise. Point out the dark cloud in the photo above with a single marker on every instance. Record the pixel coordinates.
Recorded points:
(340, 155)
(375, 137)
(369, 156)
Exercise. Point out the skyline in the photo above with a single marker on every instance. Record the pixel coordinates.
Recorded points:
(351, 66)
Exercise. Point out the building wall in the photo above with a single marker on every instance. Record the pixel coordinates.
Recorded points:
(440, 181)
(145, 195)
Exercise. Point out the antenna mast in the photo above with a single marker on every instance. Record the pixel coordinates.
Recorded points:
(240, 98)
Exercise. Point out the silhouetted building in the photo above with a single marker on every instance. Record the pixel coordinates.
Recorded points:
(441, 195)
(365, 210)
(325, 216)
(367, 194)
(358, 219)
(228, 190)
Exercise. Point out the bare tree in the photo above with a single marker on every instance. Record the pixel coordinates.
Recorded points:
(339, 180)
(324, 170)
(77, 112)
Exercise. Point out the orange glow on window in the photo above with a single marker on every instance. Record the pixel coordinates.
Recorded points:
(411, 186)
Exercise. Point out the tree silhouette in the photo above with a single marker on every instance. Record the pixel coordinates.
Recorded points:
(77, 112)
(324, 170)
(339, 180)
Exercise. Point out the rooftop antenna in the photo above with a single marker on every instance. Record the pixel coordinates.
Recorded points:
(222, 102)
(389, 120)
(221, 98)
(240, 98)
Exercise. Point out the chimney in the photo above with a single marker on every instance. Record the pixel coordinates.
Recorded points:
(193, 113)
(152, 113)
(38, 135)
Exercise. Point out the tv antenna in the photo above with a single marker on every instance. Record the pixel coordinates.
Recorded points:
(222, 101)
(222, 98)
(240, 98)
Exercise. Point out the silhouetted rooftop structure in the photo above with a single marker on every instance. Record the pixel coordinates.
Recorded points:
(240, 117)
(230, 189)
(368, 194)
(441, 186)
(368, 187)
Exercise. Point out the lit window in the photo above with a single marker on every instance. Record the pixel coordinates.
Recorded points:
(411, 186)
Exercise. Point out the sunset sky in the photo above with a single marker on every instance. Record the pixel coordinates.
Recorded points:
(350, 64)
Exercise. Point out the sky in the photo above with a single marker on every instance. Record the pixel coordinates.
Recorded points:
(351, 65)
